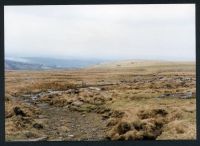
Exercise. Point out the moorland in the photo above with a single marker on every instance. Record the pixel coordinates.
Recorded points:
(121, 100)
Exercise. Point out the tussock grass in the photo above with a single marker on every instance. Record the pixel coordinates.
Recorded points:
(136, 86)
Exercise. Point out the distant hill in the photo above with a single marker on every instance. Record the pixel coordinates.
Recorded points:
(37, 63)
(64, 63)
(139, 63)
(15, 65)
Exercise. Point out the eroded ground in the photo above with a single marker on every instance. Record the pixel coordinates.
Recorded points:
(129, 100)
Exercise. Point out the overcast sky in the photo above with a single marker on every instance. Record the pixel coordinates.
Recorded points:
(101, 31)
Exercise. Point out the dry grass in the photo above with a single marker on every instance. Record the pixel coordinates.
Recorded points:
(19, 119)
(130, 87)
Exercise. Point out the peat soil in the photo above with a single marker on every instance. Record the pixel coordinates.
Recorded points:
(63, 124)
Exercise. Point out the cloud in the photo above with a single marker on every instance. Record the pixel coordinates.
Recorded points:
(101, 31)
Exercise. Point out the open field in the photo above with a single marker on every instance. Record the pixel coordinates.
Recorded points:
(126, 100)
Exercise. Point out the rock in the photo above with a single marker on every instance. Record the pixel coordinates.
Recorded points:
(34, 97)
(71, 136)
(77, 103)
(66, 107)
(161, 96)
(49, 91)
(188, 79)
(26, 96)
(94, 88)
(187, 95)
(76, 91)
(73, 91)
(57, 139)
(44, 138)
(165, 95)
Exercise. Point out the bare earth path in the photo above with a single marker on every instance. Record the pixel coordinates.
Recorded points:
(62, 124)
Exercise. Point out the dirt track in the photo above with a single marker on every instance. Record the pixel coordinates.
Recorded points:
(63, 124)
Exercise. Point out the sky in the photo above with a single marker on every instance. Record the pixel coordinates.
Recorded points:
(116, 32)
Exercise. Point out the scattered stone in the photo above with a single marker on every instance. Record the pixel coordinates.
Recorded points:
(71, 136)
(77, 103)
(26, 95)
(73, 91)
(44, 138)
(186, 95)
(95, 88)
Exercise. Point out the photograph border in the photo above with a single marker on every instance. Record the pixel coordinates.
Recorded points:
(94, 2)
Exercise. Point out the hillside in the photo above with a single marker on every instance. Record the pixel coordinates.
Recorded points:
(37, 63)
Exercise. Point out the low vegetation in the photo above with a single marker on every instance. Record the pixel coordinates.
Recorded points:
(131, 100)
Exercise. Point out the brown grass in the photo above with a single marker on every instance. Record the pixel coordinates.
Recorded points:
(135, 110)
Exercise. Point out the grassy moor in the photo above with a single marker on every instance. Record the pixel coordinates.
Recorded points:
(122, 100)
